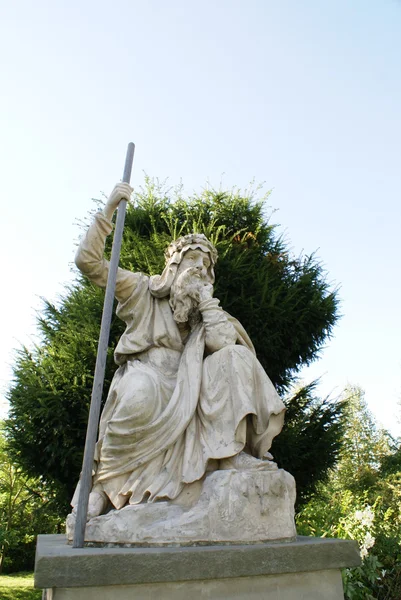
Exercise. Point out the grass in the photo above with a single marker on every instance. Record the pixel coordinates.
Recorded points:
(18, 586)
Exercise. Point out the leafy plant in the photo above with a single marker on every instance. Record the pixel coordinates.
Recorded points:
(361, 500)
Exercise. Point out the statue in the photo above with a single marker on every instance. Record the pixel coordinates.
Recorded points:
(189, 397)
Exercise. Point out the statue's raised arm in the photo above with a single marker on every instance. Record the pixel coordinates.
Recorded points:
(89, 257)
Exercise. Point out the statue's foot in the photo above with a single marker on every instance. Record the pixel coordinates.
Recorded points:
(246, 462)
(97, 503)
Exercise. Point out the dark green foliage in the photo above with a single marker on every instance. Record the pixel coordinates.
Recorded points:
(391, 464)
(53, 382)
(27, 507)
(309, 445)
(284, 303)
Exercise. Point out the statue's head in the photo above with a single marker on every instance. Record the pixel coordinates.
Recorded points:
(193, 251)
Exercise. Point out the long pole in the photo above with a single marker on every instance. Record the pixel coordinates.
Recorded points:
(97, 389)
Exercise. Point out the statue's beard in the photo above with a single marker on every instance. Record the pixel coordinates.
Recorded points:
(185, 307)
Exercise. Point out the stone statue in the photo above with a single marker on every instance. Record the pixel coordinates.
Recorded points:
(189, 399)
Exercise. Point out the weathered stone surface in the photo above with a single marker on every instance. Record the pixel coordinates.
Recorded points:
(60, 565)
(234, 506)
(317, 585)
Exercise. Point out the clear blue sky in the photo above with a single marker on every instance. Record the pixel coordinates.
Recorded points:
(305, 96)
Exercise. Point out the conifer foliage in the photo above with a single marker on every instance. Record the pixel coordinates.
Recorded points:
(285, 303)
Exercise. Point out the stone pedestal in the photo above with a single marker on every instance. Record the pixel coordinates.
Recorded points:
(306, 569)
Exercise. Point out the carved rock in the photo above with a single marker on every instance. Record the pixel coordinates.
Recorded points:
(233, 507)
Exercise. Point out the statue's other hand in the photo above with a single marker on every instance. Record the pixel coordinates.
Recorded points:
(205, 291)
(200, 290)
(121, 191)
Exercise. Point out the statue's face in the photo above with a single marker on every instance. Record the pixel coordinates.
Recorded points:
(198, 261)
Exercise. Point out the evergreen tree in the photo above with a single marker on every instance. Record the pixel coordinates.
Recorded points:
(311, 441)
(364, 446)
(285, 304)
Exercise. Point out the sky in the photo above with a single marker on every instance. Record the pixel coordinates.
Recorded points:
(303, 96)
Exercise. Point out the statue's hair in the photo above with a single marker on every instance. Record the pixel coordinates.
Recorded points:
(160, 285)
(192, 239)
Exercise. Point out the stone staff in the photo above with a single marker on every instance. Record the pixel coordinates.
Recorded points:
(93, 422)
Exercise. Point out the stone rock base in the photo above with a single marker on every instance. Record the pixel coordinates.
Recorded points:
(231, 507)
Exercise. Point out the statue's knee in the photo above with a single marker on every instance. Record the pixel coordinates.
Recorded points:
(136, 397)
(233, 351)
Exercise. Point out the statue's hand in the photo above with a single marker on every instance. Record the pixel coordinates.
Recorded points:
(121, 191)
(200, 290)
(205, 291)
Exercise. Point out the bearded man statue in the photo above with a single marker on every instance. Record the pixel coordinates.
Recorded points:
(189, 396)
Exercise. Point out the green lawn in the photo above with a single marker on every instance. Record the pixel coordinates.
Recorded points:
(18, 586)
